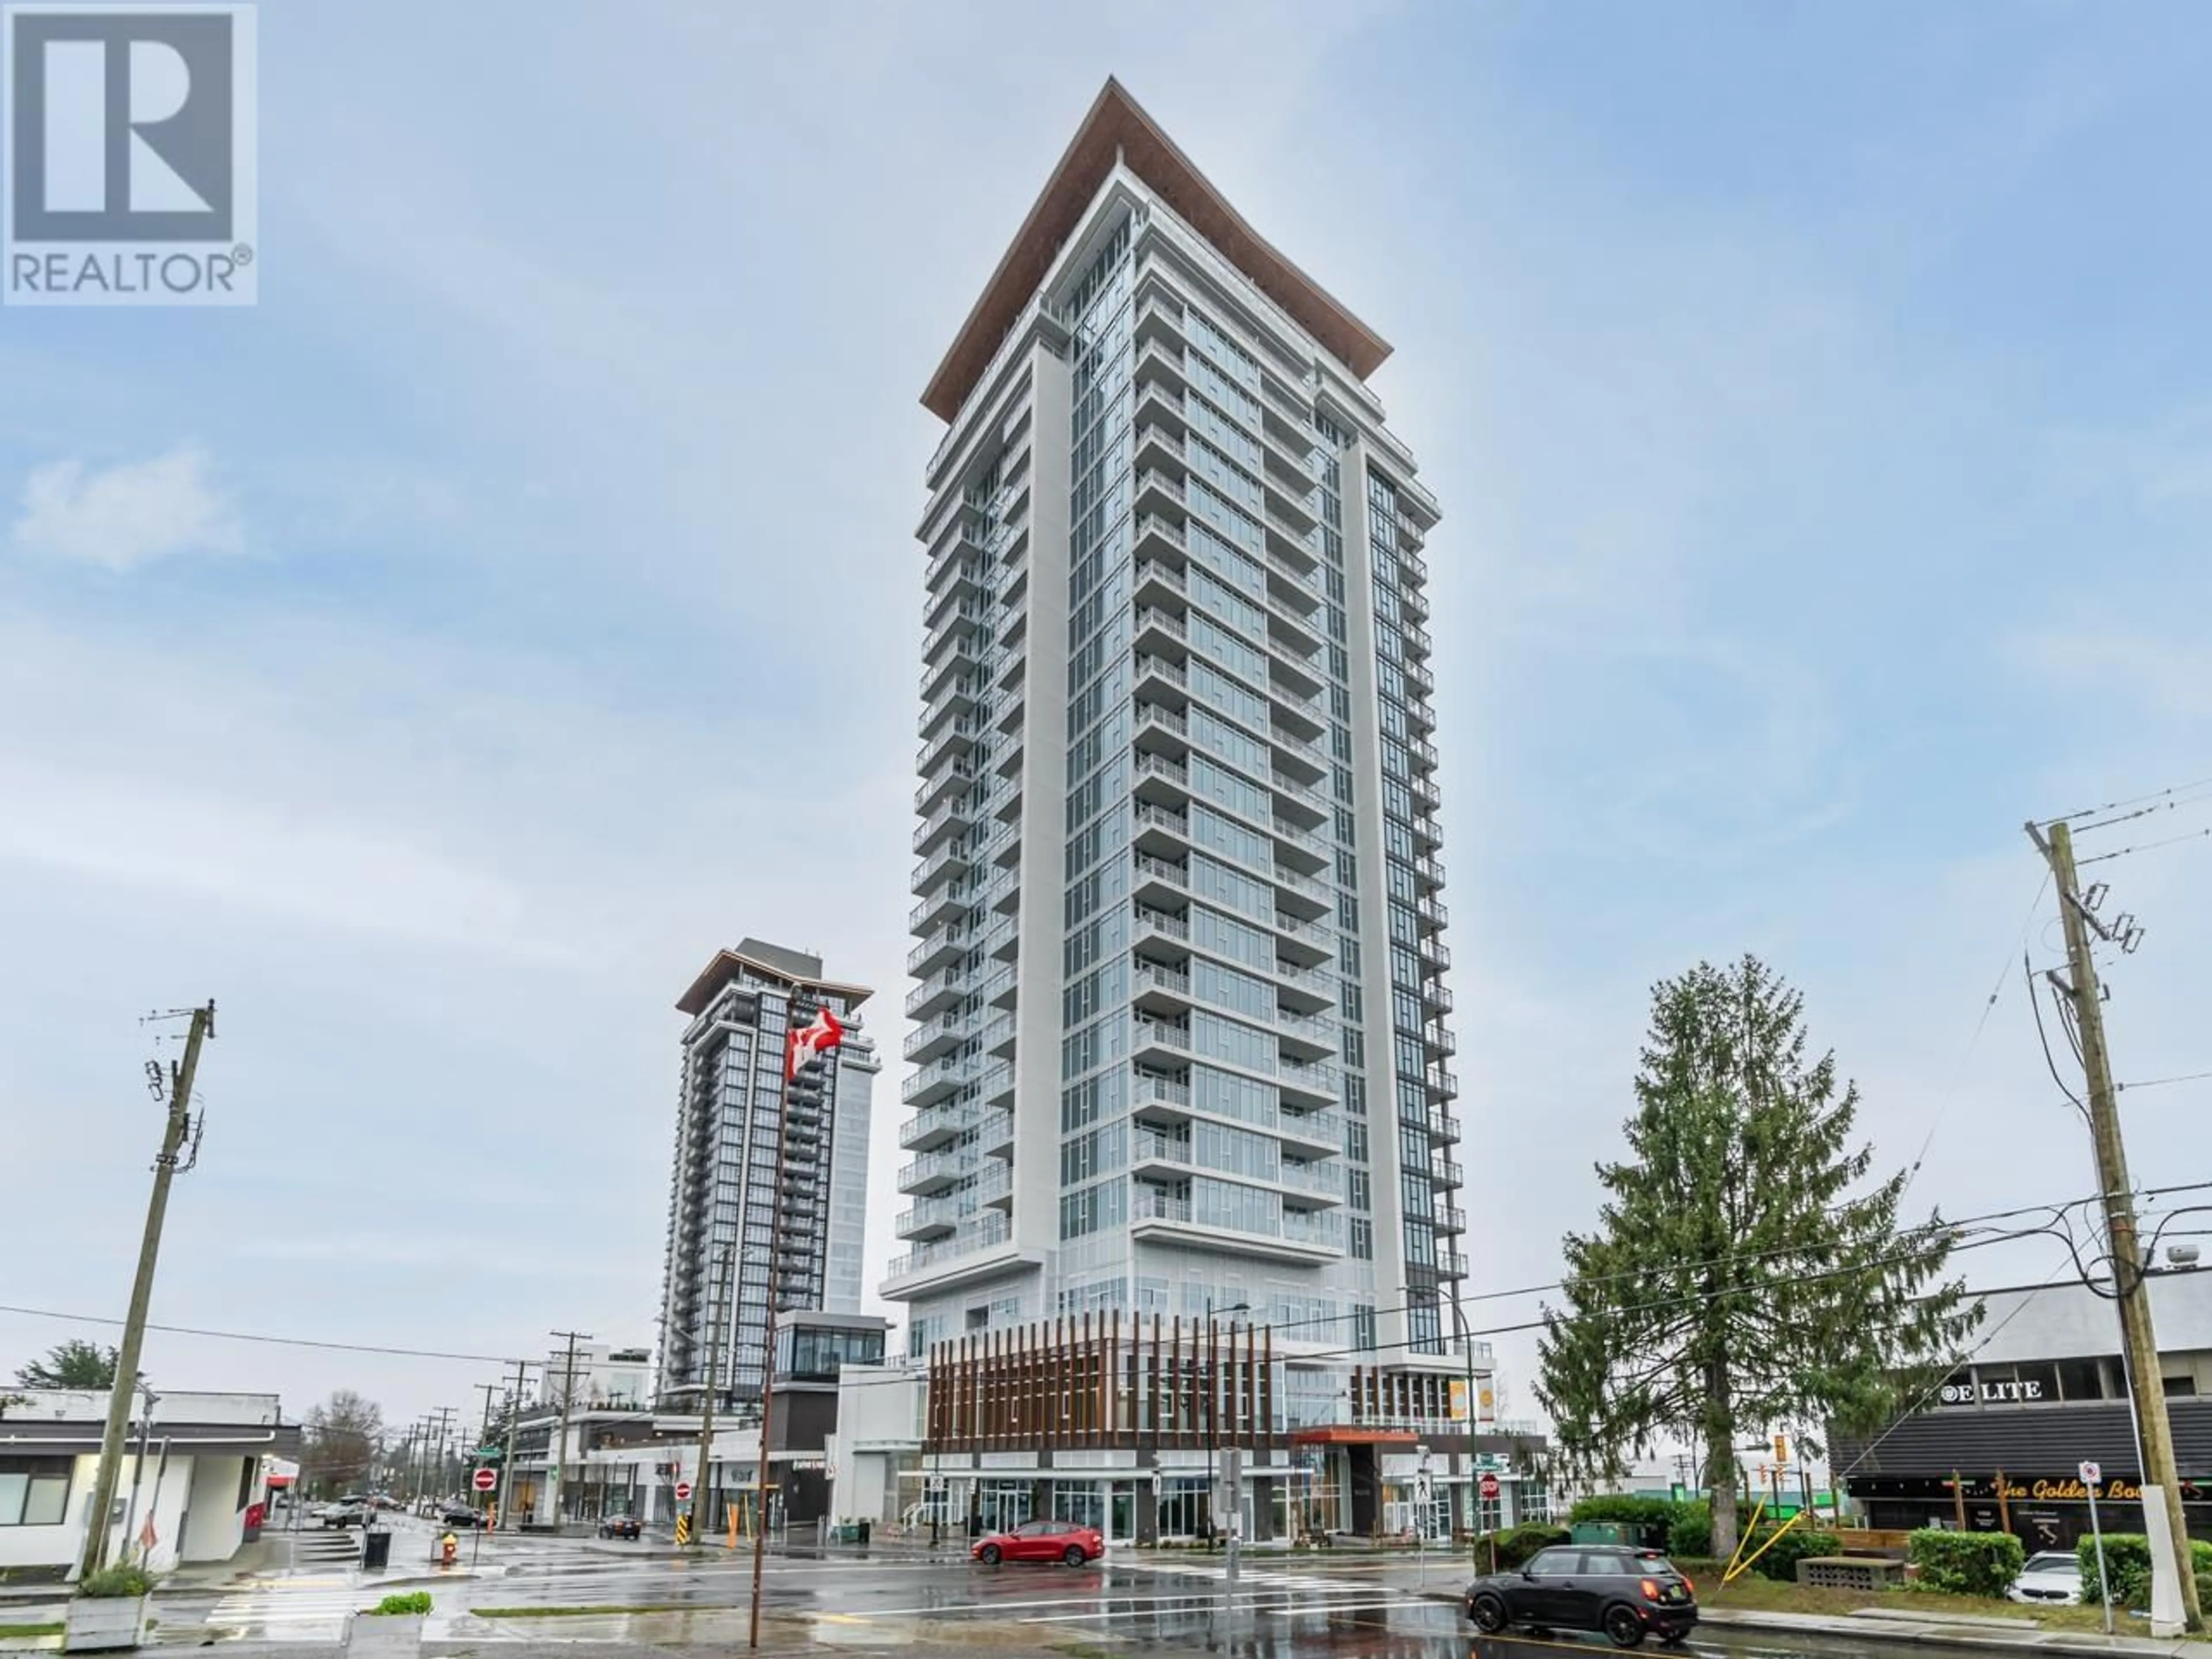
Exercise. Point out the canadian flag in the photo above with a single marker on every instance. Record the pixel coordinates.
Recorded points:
(810, 1042)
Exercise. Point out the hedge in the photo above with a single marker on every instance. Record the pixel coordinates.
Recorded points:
(1781, 1558)
(1516, 1545)
(1967, 1563)
(1631, 1508)
(2127, 1566)
(1692, 1532)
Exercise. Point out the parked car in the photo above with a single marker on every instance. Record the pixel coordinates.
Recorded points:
(345, 1512)
(1041, 1541)
(459, 1515)
(1628, 1593)
(621, 1526)
(2051, 1577)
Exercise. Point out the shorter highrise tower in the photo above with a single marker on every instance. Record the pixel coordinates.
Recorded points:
(759, 1167)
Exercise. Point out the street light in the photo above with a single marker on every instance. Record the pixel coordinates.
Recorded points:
(1212, 1429)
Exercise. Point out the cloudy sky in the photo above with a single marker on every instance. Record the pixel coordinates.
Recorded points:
(436, 663)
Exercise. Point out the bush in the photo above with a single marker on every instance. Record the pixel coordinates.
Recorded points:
(1691, 1532)
(111, 1584)
(1636, 1511)
(1516, 1544)
(1967, 1563)
(2127, 1566)
(400, 1602)
(1781, 1556)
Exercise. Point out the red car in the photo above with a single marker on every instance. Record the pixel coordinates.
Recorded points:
(1041, 1541)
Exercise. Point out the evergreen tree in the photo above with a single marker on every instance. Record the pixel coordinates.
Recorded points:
(74, 1364)
(1743, 1277)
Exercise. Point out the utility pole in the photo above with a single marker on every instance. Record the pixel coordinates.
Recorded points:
(484, 1437)
(142, 1293)
(443, 1430)
(2138, 1341)
(568, 1405)
(719, 1296)
(506, 1457)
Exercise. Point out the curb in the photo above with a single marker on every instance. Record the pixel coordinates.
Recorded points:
(1933, 1635)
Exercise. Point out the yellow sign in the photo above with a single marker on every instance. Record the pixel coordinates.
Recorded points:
(1458, 1400)
(682, 1528)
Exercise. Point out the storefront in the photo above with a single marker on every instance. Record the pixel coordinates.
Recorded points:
(1998, 1445)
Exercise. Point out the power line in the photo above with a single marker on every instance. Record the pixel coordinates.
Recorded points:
(1990, 1003)
(2055, 1211)
(2157, 797)
(2160, 1082)
(2149, 846)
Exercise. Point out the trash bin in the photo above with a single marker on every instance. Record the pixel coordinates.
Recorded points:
(375, 1550)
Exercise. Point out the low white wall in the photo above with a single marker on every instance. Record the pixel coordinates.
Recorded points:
(212, 1525)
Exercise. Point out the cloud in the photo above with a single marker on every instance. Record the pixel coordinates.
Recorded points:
(128, 514)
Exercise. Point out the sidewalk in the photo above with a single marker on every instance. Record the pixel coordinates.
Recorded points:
(1934, 1630)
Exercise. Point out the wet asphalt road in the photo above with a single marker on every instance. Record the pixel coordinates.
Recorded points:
(895, 1598)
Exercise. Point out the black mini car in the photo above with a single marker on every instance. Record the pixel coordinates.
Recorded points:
(621, 1526)
(1628, 1593)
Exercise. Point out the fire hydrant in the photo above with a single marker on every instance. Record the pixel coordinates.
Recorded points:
(449, 1550)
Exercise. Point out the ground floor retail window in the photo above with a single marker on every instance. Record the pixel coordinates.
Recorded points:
(1081, 1503)
(1182, 1505)
(1005, 1504)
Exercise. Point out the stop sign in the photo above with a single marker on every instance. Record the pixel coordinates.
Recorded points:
(683, 1490)
(1488, 1487)
(484, 1479)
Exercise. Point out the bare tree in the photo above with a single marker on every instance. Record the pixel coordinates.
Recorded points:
(342, 1433)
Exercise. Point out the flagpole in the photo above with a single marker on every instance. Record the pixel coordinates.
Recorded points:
(767, 1346)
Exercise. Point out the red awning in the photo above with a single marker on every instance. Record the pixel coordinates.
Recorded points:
(1352, 1434)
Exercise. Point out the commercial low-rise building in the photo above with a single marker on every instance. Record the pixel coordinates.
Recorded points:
(1998, 1445)
(1126, 1424)
(194, 1468)
(629, 1461)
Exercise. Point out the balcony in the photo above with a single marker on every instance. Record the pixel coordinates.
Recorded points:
(933, 1172)
(1436, 997)
(1153, 1034)
(1161, 779)
(933, 1217)
(957, 738)
(934, 1036)
(1432, 912)
(1150, 1089)
(939, 866)
(1151, 1150)
(1154, 986)
(1319, 1133)
(940, 909)
(933, 1082)
(1451, 1264)
(1323, 1183)
(1164, 923)
(1444, 1129)
(1316, 1082)
(1436, 953)
(1451, 1219)
(1157, 880)
(1156, 583)
(1303, 1236)
(951, 817)
(1443, 1172)
(936, 948)
(983, 1231)
(1155, 626)
(940, 784)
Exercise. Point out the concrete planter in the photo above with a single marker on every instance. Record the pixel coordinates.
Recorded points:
(389, 1636)
(97, 1623)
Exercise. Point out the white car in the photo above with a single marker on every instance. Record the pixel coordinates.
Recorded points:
(2053, 1577)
